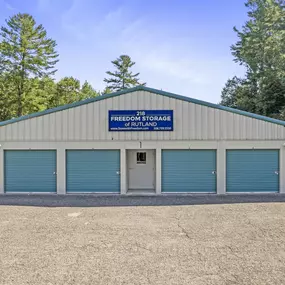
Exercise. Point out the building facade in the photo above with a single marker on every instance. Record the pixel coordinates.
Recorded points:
(142, 140)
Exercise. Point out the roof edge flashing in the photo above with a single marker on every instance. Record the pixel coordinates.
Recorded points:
(147, 89)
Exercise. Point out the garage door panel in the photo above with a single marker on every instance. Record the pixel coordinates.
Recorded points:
(93, 170)
(252, 171)
(30, 171)
(188, 171)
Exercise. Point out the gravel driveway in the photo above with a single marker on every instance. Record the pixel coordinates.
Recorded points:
(219, 243)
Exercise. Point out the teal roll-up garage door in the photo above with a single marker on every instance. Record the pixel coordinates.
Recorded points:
(189, 171)
(252, 170)
(93, 171)
(30, 171)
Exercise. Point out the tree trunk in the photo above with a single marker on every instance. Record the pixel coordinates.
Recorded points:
(21, 86)
(20, 105)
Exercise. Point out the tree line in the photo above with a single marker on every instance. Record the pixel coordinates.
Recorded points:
(28, 61)
(261, 50)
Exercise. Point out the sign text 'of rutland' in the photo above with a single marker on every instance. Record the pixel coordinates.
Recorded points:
(141, 120)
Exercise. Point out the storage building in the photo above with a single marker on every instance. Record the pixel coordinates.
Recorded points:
(142, 140)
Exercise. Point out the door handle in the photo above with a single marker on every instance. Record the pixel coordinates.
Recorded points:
(214, 172)
(276, 172)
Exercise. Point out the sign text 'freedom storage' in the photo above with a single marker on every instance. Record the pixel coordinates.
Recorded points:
(141, 120)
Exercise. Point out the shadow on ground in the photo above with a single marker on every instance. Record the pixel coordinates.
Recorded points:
(83, 200)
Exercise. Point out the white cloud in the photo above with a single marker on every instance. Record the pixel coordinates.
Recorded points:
(8, 5)
(43, 5)
(80, 23)
(176, 65)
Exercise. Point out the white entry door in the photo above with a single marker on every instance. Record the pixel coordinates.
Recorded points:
(141, 169)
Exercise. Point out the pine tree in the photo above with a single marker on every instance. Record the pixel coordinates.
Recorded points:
(26, 52)
(261, 50)
(122, 78)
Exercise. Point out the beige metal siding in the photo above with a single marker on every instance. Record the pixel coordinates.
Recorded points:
(191, 122)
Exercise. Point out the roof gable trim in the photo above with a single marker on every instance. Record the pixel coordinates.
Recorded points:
(151, 90)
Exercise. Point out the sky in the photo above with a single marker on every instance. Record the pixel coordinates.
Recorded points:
(179, 46)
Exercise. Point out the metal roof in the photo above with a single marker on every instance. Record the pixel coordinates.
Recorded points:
(151, 90)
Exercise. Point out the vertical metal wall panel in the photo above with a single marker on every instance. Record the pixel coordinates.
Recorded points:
(40, 128)
(93, 171)
(89, 121)
(252, 170)
(198, 115)
(188, 171)
(178, 126)
(64, 125)
(28, 130)
(185, 132)
(52, 127)
(45, 128)
(217, 119)
(71, 119)
(33, 126)
(204, 124)
(83, 122)
(191, 122)
(30, 171)
(77, 123)
(58, 127)
(210, 135)
(96, 121)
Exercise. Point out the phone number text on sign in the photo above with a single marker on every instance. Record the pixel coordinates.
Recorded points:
(141, 120)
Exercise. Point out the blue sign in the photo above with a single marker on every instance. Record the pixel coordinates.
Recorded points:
(141, 120)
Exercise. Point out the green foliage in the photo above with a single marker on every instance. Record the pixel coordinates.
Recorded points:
(27, 63)
(239, 94)
(67, 91)
(122, 78)
(107, 90)
(261, 49)
(272, 98)
(231, 92)
(7, 90)
(87, 91)
(25, 53)
(41, 94)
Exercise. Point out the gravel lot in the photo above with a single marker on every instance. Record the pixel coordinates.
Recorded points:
(45, 242)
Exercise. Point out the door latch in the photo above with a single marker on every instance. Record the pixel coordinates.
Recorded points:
(276, 172)
(214, 172)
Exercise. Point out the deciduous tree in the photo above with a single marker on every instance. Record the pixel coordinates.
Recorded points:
(87, 91)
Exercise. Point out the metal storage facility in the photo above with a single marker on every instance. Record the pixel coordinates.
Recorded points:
(142, 140)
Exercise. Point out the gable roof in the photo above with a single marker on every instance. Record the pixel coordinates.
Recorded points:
(151, 90)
